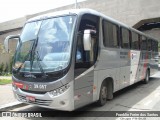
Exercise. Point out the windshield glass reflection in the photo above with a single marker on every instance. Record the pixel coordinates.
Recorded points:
(53, 47)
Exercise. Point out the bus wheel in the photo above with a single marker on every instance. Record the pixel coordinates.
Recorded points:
(103, 95)
(146, 80)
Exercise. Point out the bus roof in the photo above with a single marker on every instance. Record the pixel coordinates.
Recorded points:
(74, 11)
(71, 12)
(63, 12)
(80, 12)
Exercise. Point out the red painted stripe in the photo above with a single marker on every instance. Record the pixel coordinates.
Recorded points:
(145, 66)
(27, 87)
(19, 85)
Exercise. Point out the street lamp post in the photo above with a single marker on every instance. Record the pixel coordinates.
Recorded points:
(75, 4)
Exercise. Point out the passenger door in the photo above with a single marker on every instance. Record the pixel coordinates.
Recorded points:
(84, 62)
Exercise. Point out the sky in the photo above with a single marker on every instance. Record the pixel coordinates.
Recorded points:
(12, 9)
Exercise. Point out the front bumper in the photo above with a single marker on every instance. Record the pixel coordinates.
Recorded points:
(63, 101)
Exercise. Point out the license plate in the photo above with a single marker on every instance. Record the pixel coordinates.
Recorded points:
(30, 98)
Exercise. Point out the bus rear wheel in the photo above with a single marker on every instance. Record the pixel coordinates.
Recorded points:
(146, 80)
(103, 95)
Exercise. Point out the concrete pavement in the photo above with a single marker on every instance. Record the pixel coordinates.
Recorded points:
(7, 100)
(138, 97)
(6, 95)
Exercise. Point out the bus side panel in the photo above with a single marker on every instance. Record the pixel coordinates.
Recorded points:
(135, 59)
(147, 60)
(83, 88)
(108, 66)
(125, 67)
(143, 64)
(154, 63)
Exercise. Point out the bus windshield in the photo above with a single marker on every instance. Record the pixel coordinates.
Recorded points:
(45, 44)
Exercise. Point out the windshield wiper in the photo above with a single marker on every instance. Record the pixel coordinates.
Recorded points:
(23, 61)
(29, 53)
(39, 64)
(33, 53)
(38, 61)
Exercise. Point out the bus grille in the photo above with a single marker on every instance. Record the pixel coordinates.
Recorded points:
(34, 92)
(37, 101)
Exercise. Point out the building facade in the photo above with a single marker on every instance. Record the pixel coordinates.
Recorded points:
(134, 13)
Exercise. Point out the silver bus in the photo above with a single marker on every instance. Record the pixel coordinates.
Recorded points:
(68, 59)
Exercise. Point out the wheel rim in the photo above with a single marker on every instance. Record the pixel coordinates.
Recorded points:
(147, 76)
(104, 93)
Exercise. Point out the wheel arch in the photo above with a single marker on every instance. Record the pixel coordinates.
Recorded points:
(110, 87)
(148, 70)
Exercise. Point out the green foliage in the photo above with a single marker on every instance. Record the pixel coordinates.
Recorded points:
(10, 65)
(6, 69)
(158, 46)
(5, 81)
(1, 68)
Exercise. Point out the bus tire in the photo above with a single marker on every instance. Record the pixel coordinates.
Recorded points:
(103, 94)
(146, 80)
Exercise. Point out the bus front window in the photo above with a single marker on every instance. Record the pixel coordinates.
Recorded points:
(45, 44)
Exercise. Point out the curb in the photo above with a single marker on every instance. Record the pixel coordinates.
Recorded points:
(11, 106)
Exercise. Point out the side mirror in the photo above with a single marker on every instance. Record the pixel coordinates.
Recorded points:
(87, 39)
(6, 41)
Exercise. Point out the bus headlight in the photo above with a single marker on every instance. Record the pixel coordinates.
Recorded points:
(14, 86)
(59, 90)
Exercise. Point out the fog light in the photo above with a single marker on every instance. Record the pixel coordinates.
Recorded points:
(14, 86)
(62, 103)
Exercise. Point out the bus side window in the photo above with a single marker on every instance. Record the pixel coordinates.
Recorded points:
(135, 41)
(144, 43)
(139, 41)
(110, 34)
(79, 49)
(125, 37)
(153, 45)
(149, 45)
(156, 46)
(85, 59)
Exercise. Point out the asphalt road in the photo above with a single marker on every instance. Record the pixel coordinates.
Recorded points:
(138, 97)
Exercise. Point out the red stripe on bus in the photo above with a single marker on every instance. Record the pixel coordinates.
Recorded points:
(145, 66)
(19, 85)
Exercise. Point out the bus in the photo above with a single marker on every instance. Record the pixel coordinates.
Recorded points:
(68, 59)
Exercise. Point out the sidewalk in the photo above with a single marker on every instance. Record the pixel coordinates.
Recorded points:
(6, 95)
